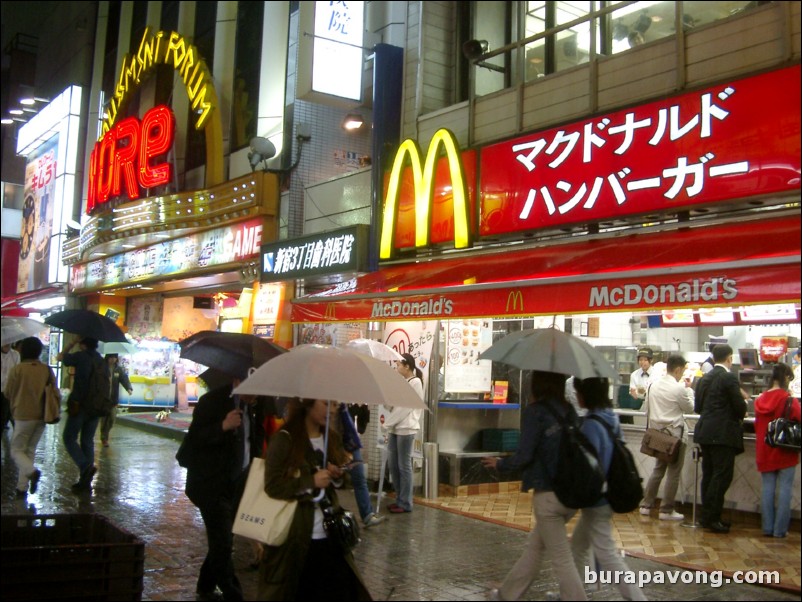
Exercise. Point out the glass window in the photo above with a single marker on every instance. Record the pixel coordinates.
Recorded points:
(572, 45)
(247, 61)
(205, 22)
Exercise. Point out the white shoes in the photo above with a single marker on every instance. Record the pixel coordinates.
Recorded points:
(372, 520)
(494, 594)
(645, 511)
(673, 515)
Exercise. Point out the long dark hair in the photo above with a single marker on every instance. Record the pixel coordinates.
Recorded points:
(782, 374)
(409, 362)
(297, 409)
(547, 385)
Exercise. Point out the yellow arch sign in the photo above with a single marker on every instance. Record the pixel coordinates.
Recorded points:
(173, 49)
(423, 182)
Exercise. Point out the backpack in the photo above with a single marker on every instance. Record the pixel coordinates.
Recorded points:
(98, 401)
(577, 479)
(624, 488)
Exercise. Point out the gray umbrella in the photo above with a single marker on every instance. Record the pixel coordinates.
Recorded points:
(550, 350)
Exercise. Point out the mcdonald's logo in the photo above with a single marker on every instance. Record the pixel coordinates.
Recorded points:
(423, 182)
(514, 299)
(331, 312)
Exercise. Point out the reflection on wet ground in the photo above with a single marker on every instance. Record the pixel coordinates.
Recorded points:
(429, 554)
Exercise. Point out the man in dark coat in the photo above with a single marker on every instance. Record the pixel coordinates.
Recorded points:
(719, 432)
(224, 435)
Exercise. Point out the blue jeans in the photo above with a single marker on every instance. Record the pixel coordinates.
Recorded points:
(82, 424)
(360, 483)
(399, 457)
(775, 522)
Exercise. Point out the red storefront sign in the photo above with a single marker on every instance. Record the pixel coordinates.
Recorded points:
(727, 142)
(704, 288)
(124, 155)
(746, 263)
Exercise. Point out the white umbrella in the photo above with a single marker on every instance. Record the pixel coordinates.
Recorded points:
(118, 348)
(331, 373)
(375, 349)
(16, 329)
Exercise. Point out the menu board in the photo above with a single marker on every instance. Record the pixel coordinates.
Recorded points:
(464, 371)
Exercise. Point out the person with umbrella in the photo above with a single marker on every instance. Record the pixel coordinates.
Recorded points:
(537, 458)
(118, 377)
(81, 423)
(307, 566)
(402, 425)
(223, 437)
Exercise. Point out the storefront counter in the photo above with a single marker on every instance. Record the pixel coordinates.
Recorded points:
(149, 391)
(745, 491)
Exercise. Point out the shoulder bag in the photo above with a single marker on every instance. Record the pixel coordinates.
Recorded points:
(52, 401)
(783, 432)
(341, 527)
(259, 516)
(659, 443)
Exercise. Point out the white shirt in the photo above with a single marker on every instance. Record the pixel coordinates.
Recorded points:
(9, 360)
(638, 380)
(666, 402)
(405, 421)
(796, 384)
(318, 531)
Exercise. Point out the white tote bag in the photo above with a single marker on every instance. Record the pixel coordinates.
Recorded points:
(259, 516)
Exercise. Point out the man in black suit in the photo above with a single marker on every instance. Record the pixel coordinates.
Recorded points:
(224, 435)
(719, 432)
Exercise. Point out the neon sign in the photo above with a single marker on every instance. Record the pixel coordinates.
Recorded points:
(169, 49)
(124, 155)
(423, 184)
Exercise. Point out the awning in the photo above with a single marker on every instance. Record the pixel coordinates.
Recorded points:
(12, 305)
(744, 263)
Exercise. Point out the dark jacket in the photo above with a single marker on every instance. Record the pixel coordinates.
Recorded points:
(209, 453)
(118, 377)
(539, 447)
(721, 408)
(282, 565)
(82, 362)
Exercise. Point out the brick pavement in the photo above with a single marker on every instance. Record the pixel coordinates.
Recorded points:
(429, 554)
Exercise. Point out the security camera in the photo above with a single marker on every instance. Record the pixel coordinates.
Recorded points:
(473, 49)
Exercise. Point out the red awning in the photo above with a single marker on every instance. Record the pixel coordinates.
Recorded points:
(744, 263)
(12, 305)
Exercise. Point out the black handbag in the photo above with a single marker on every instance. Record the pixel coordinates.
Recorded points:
(341, 527)
(783, 432)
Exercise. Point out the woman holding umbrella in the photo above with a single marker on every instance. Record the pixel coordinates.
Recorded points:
(306, 566)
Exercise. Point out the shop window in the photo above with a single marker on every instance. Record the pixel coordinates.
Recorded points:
(548, 37)
(205, 23)
(247, 62)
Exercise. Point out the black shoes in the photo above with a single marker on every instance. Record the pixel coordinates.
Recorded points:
(85, 482)
(35, 476)
(718, 527)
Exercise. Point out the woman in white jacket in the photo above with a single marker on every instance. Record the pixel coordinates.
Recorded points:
(402, 425)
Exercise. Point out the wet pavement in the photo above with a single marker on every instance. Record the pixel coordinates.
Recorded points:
(429, 554)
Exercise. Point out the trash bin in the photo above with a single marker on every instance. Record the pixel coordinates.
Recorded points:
(69, 557)
(431, 456)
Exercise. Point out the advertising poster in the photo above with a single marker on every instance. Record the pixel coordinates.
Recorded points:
(464, 371)
(37, 217)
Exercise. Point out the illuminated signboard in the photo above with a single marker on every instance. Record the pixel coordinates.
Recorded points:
(122, 159)
(330, 62)
(713, 145)
(423, 185)
(326, 253)
(216, 247)
(168, 49)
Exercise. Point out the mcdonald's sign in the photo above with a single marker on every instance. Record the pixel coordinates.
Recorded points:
(330, 314)
(424, 176)
(514, 300)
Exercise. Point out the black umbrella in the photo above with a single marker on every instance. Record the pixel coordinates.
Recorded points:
(87, 323)
(229, 352)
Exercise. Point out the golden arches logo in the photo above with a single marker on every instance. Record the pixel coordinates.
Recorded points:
(514, 299)
(423, 183)
(331, 312)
